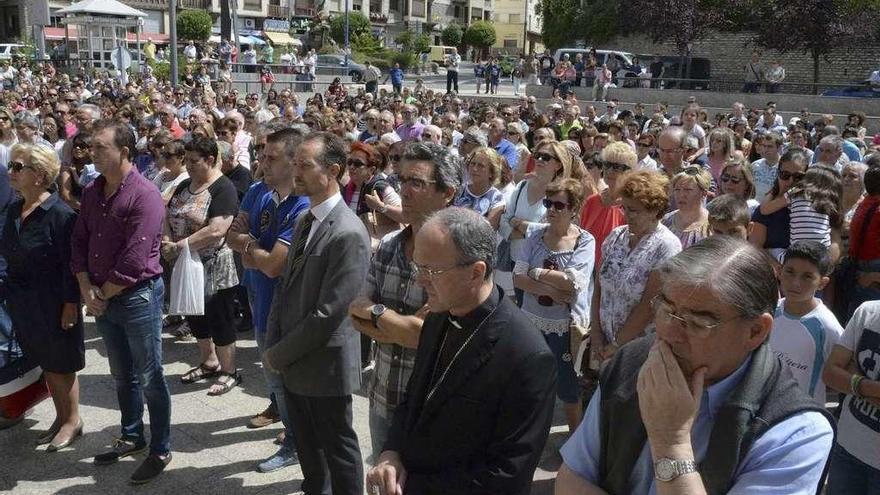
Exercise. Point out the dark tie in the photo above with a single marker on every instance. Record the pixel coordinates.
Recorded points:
(300, 246)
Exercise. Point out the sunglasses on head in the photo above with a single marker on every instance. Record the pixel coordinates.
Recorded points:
(730, 178)
(786, 175)
(544, 157)
(556, 205)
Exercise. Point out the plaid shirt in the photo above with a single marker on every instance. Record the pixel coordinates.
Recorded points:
(390, 282)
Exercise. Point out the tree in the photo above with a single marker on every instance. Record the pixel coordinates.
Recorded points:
(480, 34)
(452, 35)
(194, 25)
(812, 26)
(559, 22)
(413, 43)
(358, 25)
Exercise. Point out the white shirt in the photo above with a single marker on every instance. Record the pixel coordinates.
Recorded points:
(320, 211)
(804, 343)
(647, 163)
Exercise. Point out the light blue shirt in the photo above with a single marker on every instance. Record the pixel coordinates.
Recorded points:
(850, 150)
(788, 459)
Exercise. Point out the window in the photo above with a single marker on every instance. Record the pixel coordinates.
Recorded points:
(514, 43)
(514, 19)
(253, 5)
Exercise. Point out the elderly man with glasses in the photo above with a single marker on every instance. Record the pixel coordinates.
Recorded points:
(702, 406)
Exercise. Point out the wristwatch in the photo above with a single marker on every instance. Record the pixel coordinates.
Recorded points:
(375, 312)
(666, 469)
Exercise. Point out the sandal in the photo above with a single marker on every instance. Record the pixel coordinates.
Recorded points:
(200, 372)
(227, 381)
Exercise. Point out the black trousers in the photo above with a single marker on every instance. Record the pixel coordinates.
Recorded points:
(327, 444)
(451, 80)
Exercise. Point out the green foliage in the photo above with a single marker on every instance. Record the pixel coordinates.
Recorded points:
(161, 70)
(358, 26)
(194, 25)
(452, 35)
(413, 43)
(559, 26)
(480, 34)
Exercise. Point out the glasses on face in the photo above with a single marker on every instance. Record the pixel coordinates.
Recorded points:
(544, 157)
(355, 164)
(730, 178)
(17, 166)
(556, 205)
(786, 175)
(415, 183)
(617, 167)
(4, 118)
(422, 271)
(506, 114)
(699, 326)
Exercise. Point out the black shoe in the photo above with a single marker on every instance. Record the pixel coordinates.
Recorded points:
(152, 466)
(120, 448)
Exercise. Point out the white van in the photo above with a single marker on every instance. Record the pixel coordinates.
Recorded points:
(439, 53)
(624, 58)
(9, 50)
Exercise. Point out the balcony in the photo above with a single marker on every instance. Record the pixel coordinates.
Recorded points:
(377, 18)
(278, 11)
(163, 4)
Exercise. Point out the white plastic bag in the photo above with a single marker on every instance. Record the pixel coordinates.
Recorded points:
(187, 284)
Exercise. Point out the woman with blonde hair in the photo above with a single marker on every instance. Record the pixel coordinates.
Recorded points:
(526, 210)
(602, 212)
(516, 136)
(736, 178)
(204, 130)
(484, 169)
(719, 150)
(42, 293)
(690, 222)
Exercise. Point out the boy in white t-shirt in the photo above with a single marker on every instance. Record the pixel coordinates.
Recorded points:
(804, 329)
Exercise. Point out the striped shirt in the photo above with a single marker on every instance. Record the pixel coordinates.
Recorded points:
(390, 282)
(808, 224)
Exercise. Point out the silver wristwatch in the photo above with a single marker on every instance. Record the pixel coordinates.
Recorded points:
(666, 469)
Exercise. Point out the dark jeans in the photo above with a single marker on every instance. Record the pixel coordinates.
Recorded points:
(751, 87)
(451, 80)
(132, 331)
(371, 87)
(850, 476)
(327, 444)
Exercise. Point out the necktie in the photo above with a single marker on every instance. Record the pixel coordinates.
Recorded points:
(300, 246)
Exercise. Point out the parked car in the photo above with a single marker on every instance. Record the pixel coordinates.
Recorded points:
(9, 50)
(701, 68)
(334, 62)
(439, 53)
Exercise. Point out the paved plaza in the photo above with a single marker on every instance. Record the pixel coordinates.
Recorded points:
(214, 452)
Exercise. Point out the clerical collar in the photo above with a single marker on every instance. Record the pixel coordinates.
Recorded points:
(475, 317)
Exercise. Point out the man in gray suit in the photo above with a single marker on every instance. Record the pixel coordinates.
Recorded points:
(310, 339)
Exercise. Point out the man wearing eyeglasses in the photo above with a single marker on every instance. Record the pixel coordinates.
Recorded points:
(479, 403)
(391, 307)
(703, 406)
(411, 128)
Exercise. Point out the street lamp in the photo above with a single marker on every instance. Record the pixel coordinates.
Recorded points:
(347, 48)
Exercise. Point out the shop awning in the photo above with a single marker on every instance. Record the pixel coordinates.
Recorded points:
(57, 33)
(282, 38)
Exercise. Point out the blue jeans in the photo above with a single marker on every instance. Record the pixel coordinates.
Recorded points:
(275, 383)
(850, 476)
(379, 427)
(132, 328)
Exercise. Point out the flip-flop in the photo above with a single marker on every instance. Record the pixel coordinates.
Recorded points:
(232, 379)
(200, 372)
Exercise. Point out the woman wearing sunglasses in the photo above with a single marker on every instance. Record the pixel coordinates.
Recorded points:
(554, 270)
(736, 178)
(525, 210)
(7, 128)
(690, 222)
(43, 296)
(80, 173)
(602, 212)
(365, 170)
(772, 231)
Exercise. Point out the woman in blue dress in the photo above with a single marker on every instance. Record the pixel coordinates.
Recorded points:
(43, 295)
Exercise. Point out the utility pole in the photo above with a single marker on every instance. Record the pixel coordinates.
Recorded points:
(172, 19)
(347, 47)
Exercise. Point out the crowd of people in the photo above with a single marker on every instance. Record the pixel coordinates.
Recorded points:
(696, 291)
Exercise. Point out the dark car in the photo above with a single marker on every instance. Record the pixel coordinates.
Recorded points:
(334, 63)
(700, 68)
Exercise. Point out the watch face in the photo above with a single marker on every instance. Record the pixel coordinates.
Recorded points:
(664, 470)
(378, 309)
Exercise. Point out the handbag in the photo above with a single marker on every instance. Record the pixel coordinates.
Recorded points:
(505, 257)
(22, 385)
(847, 273)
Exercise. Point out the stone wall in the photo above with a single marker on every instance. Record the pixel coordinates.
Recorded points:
(730, 52)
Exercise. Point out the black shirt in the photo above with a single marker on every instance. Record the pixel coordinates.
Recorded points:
(241, 178)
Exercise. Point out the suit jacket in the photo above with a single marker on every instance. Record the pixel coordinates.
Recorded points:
(311, 340)
(485, 426)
